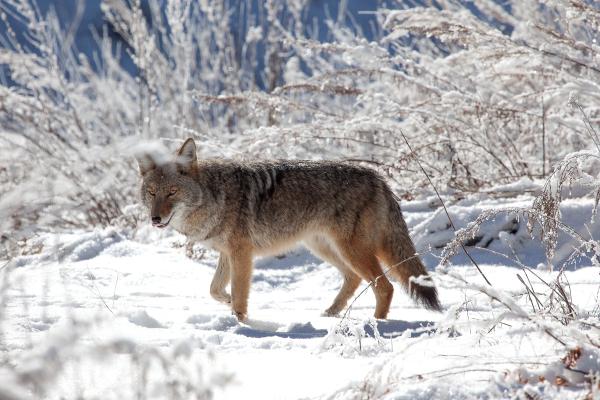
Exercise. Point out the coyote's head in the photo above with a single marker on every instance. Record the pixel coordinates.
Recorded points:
(168, 185)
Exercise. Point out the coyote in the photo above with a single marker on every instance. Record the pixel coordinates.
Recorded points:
(345, 214)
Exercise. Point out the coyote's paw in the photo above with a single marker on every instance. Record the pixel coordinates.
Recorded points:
(330, 313)
(222, 297)
(241, 316)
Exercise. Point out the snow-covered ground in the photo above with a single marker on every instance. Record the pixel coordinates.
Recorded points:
(117, 314)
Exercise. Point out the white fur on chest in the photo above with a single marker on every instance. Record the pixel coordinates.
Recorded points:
(178, 221)
(197, 233)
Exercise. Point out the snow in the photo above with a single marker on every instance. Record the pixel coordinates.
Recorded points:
(113, 313)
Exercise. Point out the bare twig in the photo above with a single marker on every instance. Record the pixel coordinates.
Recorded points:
(445, 209)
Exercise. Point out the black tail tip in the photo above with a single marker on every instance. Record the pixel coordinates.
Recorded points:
(427, 296)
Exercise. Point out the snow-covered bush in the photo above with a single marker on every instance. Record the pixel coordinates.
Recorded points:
(479, 91)
(154, 373)
(69, 122)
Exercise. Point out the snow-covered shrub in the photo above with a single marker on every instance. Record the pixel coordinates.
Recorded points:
(46, 370)
(480, 93)
(69, 122)
(478, 90)
(544, 305)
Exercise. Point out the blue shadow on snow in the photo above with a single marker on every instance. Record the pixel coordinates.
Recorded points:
(385, 328)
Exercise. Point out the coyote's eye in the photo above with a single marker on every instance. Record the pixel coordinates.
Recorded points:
(172, 191)
(151, 192)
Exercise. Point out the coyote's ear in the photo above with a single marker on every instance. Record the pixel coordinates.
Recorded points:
(186, 155)
(145, 162)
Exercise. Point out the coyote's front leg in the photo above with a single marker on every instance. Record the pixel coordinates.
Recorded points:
(241, 277)
(221, 280)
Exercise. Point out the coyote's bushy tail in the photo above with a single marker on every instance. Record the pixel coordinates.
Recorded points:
(413, 276)
(405, 264)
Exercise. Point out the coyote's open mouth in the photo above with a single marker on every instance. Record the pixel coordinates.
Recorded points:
(163, 225)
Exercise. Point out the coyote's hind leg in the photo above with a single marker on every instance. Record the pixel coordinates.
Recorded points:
(366, 265)
(351, 281)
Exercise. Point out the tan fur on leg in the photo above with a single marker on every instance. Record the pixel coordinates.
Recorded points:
(367, 266)
(323, 250)
(221, 280)
(351, 282)
(241, 277)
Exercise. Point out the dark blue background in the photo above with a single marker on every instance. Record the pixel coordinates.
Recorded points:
(359, 15)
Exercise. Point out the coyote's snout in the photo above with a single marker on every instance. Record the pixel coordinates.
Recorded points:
(344, 214)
